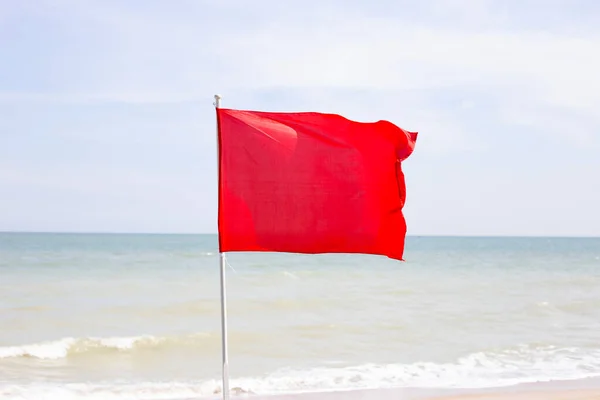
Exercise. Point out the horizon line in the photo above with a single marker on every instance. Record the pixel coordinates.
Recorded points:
(412, 235)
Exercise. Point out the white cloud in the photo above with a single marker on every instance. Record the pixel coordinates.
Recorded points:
(150, 57)
(337, 47)
(382, 54)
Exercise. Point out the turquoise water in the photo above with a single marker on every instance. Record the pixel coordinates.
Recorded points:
(137, 316)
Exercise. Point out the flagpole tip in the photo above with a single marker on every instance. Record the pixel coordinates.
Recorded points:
(217, 102)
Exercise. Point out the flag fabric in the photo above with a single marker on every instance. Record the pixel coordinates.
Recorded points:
(311, 183)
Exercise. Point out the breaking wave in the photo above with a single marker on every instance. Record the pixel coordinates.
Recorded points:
(65, 347)
(503, 367)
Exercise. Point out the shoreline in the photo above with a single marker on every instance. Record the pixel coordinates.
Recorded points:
(579, 389)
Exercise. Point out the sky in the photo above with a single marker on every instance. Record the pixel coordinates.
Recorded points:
(107, 119)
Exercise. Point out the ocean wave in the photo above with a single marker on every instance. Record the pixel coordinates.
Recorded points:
(504, 367)
(65, 347)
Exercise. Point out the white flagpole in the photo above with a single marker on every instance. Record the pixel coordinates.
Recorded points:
(223, 288)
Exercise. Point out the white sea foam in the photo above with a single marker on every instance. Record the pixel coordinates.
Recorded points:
(478, 370)
(123, 391)
(485, 369)
(64, 347)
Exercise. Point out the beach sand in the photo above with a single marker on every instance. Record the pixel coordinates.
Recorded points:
(555, 395)
(586, 389)
(376, 394)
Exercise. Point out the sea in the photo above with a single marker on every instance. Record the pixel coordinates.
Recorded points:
(137, 316)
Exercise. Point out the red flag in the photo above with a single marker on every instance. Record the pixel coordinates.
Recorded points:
(311, 183)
